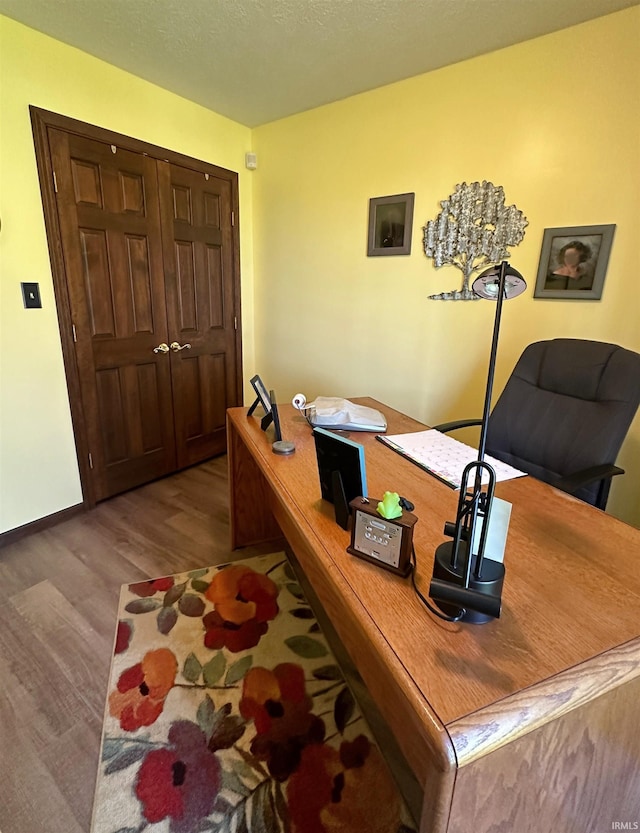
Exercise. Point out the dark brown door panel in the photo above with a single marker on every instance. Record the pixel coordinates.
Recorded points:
(199, 264)
(145, 260)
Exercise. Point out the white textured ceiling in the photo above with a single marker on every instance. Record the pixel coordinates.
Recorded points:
(255, 61)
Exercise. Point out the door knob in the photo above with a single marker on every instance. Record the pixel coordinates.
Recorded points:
(161, 348)
(178, 347)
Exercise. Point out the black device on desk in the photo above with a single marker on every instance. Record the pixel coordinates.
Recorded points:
(342, 472)
(382, 541)
(280, 446)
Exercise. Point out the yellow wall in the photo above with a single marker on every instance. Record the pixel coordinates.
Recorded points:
(555, 121)
(38, 468)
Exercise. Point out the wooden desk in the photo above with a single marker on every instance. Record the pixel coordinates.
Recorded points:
(526, 724)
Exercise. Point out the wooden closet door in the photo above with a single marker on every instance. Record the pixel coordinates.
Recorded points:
(109, 220)
(145, 255)
(197, 216)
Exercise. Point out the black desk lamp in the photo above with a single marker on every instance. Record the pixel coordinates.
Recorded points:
(462, 577)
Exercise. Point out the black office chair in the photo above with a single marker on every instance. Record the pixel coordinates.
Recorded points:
(564, 413)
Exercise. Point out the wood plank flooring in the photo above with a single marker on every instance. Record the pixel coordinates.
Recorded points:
(59, 592)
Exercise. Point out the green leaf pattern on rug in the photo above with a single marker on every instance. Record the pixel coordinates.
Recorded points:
(343, 709)
(167, 617)
(295, 590)
(238, 721)
(143, 605)
(237, 671)
(212, 672)
(306, 647)
(191, 605)
(207, 717)
(174, 593)
(328, 672)
(127, 756)
(302, 613)
(192, 668)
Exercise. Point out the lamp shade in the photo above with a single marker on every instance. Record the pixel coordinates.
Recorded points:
(487, 285)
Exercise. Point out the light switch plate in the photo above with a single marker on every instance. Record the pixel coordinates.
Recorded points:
(31, 295)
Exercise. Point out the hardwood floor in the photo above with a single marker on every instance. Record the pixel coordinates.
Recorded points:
(59, 591)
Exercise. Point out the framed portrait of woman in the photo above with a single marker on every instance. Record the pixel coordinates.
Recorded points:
(573, 262)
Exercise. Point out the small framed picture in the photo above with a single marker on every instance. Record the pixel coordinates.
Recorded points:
(573, 262)
(262, 398)
(390, 225)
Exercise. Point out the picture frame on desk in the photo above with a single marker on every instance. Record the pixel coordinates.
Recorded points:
(341, 471)
(390, 225)
(573, 262)
(263, 398)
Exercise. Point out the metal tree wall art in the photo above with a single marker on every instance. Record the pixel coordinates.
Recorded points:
(472, 232)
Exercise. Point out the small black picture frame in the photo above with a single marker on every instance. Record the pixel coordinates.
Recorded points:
(341, 470)
(337, 453)
(262, 398)
(275, 415)
(390, 225)
(573, 262)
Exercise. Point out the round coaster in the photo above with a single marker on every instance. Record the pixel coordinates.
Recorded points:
(283, 447)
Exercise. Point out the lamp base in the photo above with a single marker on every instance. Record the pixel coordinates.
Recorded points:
(489, 585)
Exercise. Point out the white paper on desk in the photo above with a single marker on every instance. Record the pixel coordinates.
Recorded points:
(445, 457)
(497, 531)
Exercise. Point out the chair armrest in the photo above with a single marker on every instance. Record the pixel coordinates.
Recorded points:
(576, 481)
(459, 423)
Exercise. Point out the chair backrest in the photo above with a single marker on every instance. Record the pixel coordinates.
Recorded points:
(567, 406)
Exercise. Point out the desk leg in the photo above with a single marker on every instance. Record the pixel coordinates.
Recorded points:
(250, 515)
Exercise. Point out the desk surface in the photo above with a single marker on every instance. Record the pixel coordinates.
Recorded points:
(569, 628)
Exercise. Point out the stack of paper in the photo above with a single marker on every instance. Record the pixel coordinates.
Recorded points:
(444, 457)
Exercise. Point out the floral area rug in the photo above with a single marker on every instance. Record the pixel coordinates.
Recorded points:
(227, 713)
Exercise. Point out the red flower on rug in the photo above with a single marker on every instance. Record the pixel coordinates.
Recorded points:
(280, 708)
(151, 586)
(180, 782)
(142, 689)
(244, 601)
(350, 789)
(123, 636)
